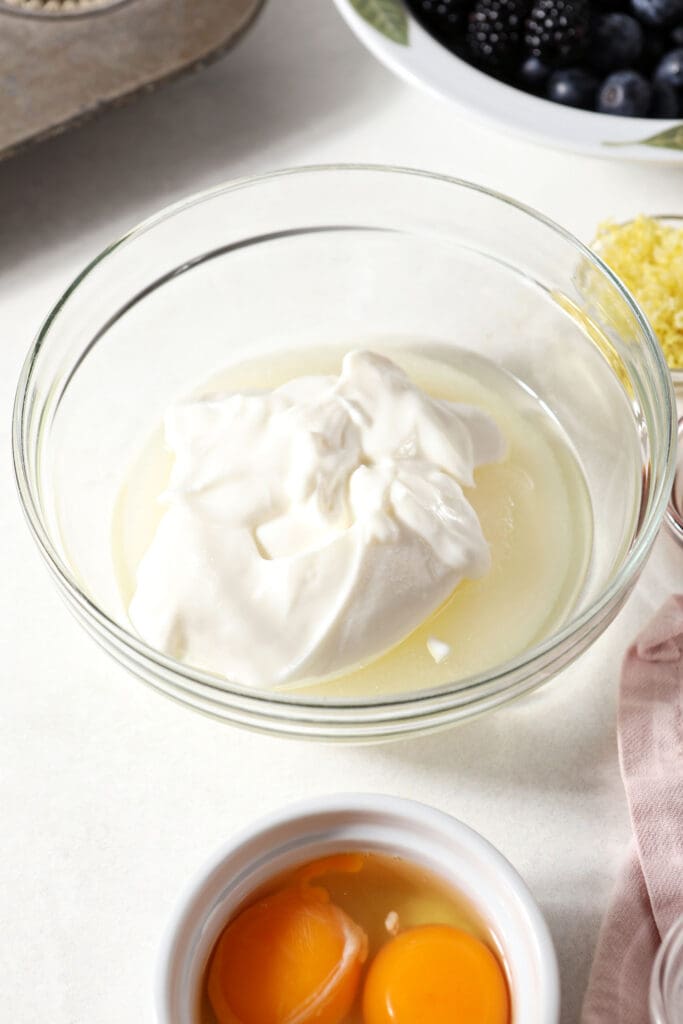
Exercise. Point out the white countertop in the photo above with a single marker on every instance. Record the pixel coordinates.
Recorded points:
(110, 795)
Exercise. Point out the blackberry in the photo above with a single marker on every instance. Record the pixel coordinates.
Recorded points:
(557, 31)
(446, 20)
(494, 32)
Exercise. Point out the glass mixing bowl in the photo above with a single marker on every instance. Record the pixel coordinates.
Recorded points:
(666, 981)
(338, 256)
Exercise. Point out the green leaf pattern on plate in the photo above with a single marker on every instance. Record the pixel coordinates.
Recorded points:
(672, 138)
(387, 16)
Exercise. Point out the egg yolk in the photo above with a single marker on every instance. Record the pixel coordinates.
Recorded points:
(435, 974)
(291, 958)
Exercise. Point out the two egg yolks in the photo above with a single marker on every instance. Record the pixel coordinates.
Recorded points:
(294, 957)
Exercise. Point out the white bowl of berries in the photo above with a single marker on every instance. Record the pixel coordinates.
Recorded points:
(603, 77)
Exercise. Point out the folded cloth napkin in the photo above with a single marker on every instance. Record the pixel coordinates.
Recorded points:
(649, 893)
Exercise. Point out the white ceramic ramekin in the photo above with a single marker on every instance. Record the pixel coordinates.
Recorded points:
(364, 822)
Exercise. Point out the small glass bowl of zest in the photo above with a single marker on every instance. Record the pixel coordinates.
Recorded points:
(478, 299)
(648, 253)
(425, 841)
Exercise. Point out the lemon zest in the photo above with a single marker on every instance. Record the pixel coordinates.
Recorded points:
(647, 255)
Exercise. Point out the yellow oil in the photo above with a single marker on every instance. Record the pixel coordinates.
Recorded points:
(534, 508)
(384, 885)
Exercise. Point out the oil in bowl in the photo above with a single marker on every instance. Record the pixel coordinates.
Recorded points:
(533, 506)
(355, 938)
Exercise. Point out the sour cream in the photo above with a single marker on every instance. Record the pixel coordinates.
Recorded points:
(310, 528)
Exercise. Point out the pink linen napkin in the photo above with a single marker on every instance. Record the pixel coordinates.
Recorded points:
(649, 892)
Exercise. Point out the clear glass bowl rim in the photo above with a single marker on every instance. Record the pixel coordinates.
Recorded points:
(100, 622)
(670, 948)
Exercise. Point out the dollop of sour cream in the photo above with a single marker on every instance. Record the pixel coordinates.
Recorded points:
(308, 529)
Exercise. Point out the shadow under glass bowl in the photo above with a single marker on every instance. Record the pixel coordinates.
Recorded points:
(336, 256)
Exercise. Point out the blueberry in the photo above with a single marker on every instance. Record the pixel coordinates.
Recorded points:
(667, 101)
(607, 6)
(677, 35)
(572, 87)
(670, 69)
(616, 41)
(533, 74)
(660, 13)
(655, 45)
(625, 93)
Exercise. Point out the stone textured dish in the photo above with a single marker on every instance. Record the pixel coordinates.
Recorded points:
(63, 60)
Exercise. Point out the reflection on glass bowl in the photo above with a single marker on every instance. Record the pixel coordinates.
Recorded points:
(666, 982)
(674, 510)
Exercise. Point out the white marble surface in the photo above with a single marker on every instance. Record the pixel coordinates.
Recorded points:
(110, 796)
